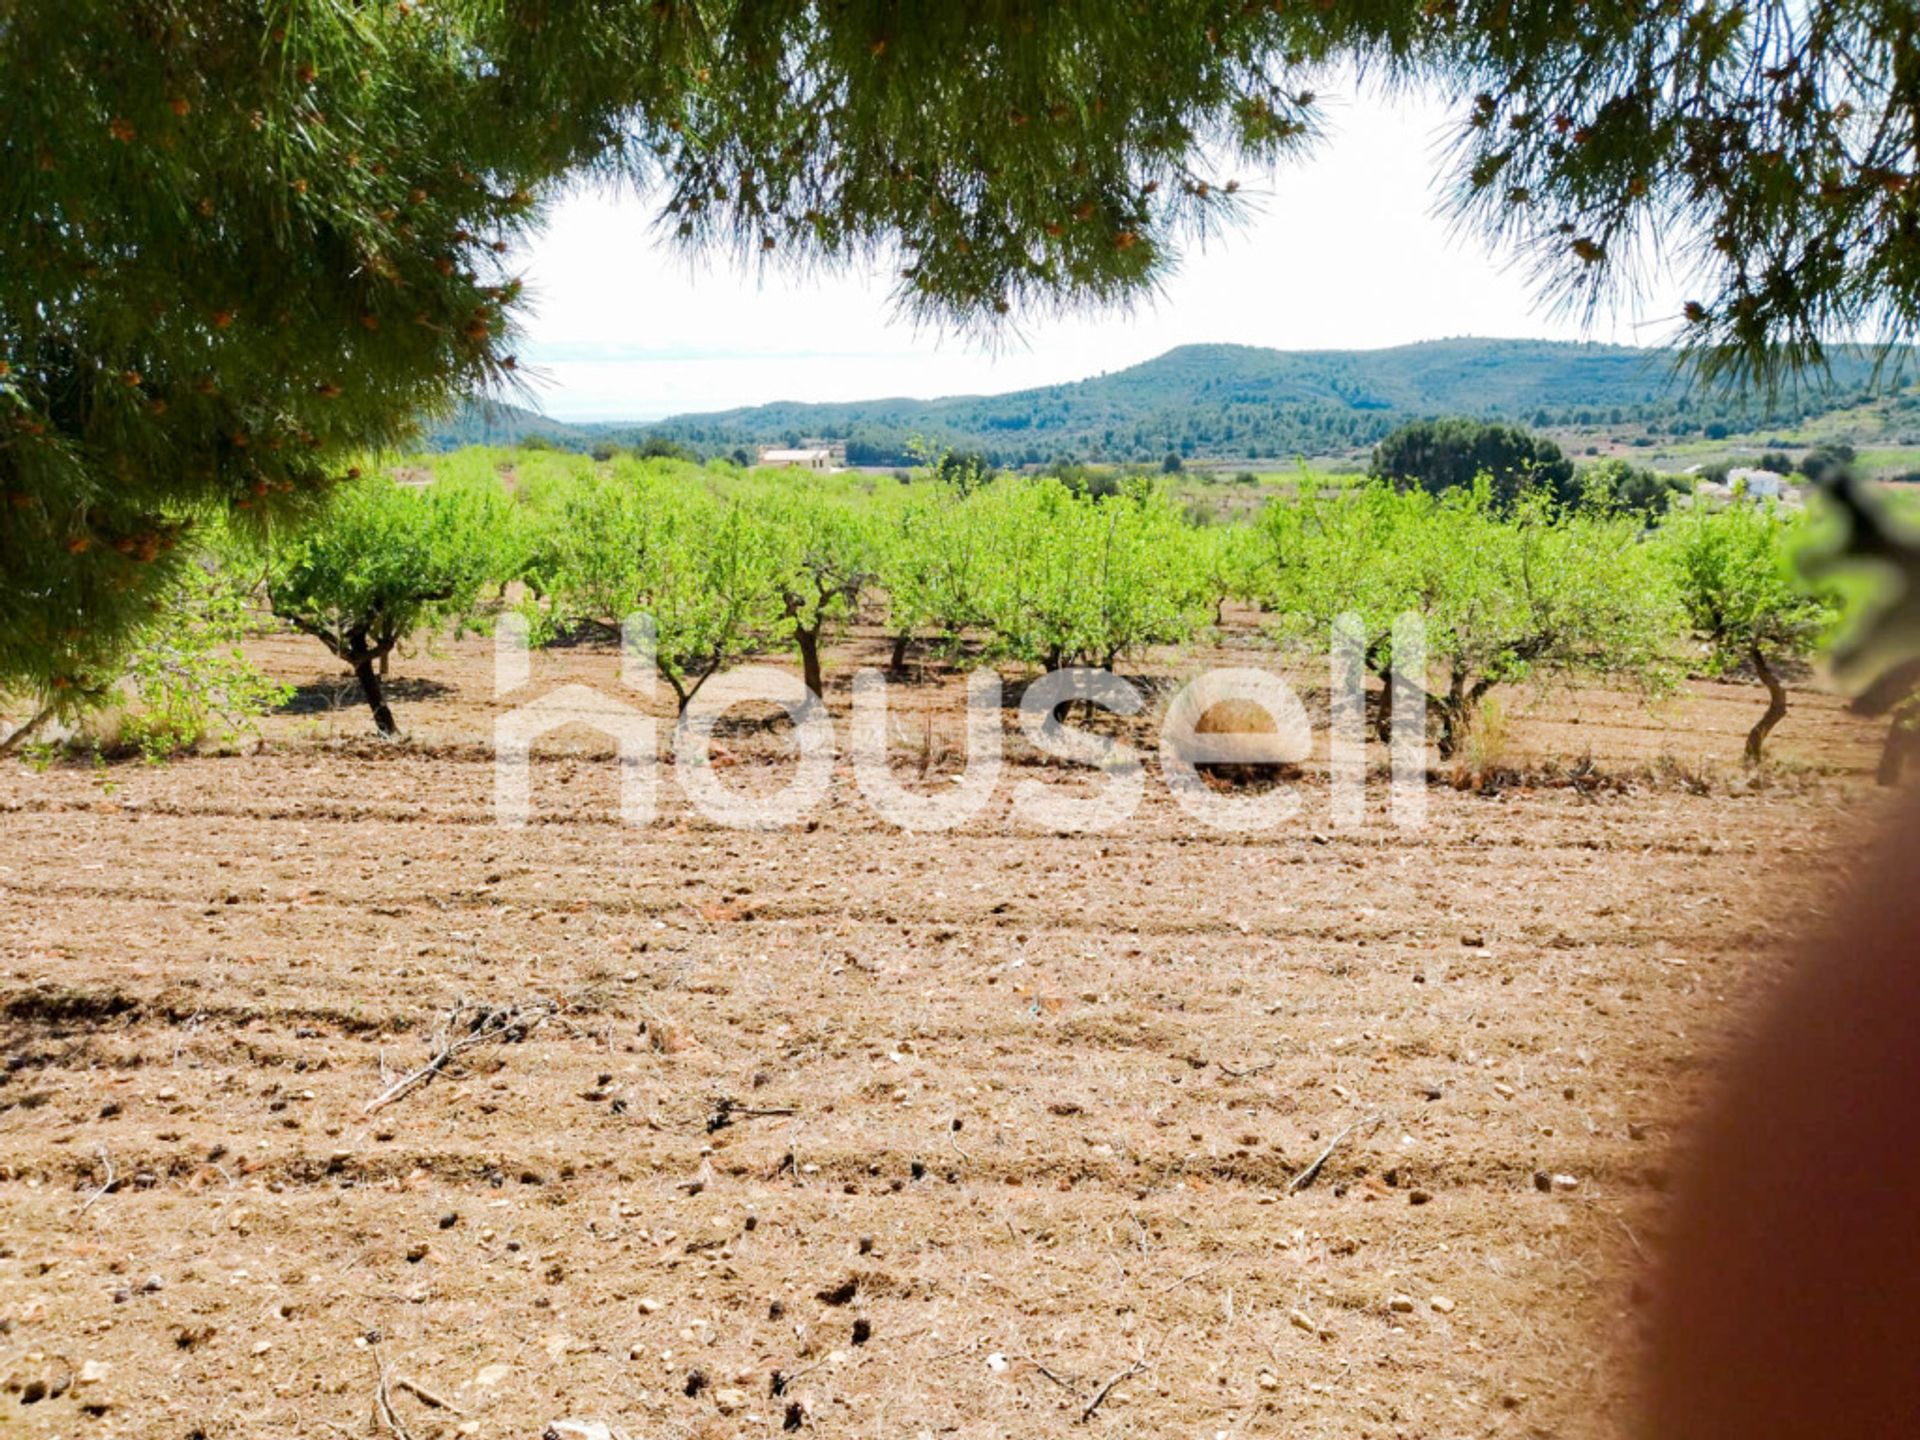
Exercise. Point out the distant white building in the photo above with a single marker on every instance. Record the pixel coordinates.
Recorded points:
(808, 455)
(1744, 484)
(1757, 484)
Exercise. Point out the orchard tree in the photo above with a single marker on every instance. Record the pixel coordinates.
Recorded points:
(1508, 594)
(1086, 581)
(385, 561)
(824, 557)
(1746, 601)
(245, 242)
(646, 539)
(938, 565)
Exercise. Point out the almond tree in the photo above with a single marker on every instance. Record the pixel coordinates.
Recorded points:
(1746, 602)
(825, 553)
(1508, 593)
(645, 540)
(386, 561)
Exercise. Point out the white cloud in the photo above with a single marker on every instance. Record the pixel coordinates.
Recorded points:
(1345, 251)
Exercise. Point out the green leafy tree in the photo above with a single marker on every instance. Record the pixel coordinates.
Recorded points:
(1508, 594)
(938, 566)
(644, 539)
(385, 562)
(1439, 455)
(1618, 486)
(1226, 560)
(243, 243)
(1085, 581)
(824, 557)
(1745, 600)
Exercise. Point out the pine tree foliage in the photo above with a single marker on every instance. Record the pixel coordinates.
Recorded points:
(1767, 147)
(243, 240)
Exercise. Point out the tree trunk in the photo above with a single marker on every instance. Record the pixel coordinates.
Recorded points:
(370, 687)
(809, 643)
(1902, 741)
(900, 643)
(26, 732)
(1383, 711)
(1776, 706)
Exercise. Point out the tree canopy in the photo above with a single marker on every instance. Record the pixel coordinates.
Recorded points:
(1441, 455)
(244, 241)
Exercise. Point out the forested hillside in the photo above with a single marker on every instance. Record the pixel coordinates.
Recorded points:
(1239, 401)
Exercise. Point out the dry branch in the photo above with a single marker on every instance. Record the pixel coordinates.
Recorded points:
(467, 1027)
(106, 1186)
(726, 1110)
(1307, 1176)
(1105, 1390)
(383, 1412)
(425, 1396)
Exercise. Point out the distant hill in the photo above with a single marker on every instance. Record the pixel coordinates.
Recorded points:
(1243, 402)
(494, 422)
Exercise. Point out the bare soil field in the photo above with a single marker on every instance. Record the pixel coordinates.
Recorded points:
(856, 1132)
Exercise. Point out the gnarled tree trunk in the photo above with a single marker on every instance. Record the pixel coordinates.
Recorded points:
(1776, 706)
(365, 671)
(809, 642)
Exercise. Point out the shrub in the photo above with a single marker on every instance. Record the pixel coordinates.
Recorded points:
(1618, 487)
(188, 680)
(1825, 462)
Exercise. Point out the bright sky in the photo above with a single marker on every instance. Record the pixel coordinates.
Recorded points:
(1344, 251)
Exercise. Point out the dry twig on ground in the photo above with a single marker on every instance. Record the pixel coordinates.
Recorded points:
(1307, 1176)
(1105, 1390)
(106, 1185)
(467, 1027)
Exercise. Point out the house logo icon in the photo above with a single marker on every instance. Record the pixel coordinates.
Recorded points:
(631, 729)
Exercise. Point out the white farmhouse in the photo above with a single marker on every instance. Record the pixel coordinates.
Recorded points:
(808, 455)
(1757, 484)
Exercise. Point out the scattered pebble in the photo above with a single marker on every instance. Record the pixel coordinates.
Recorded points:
(1441, 1304)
